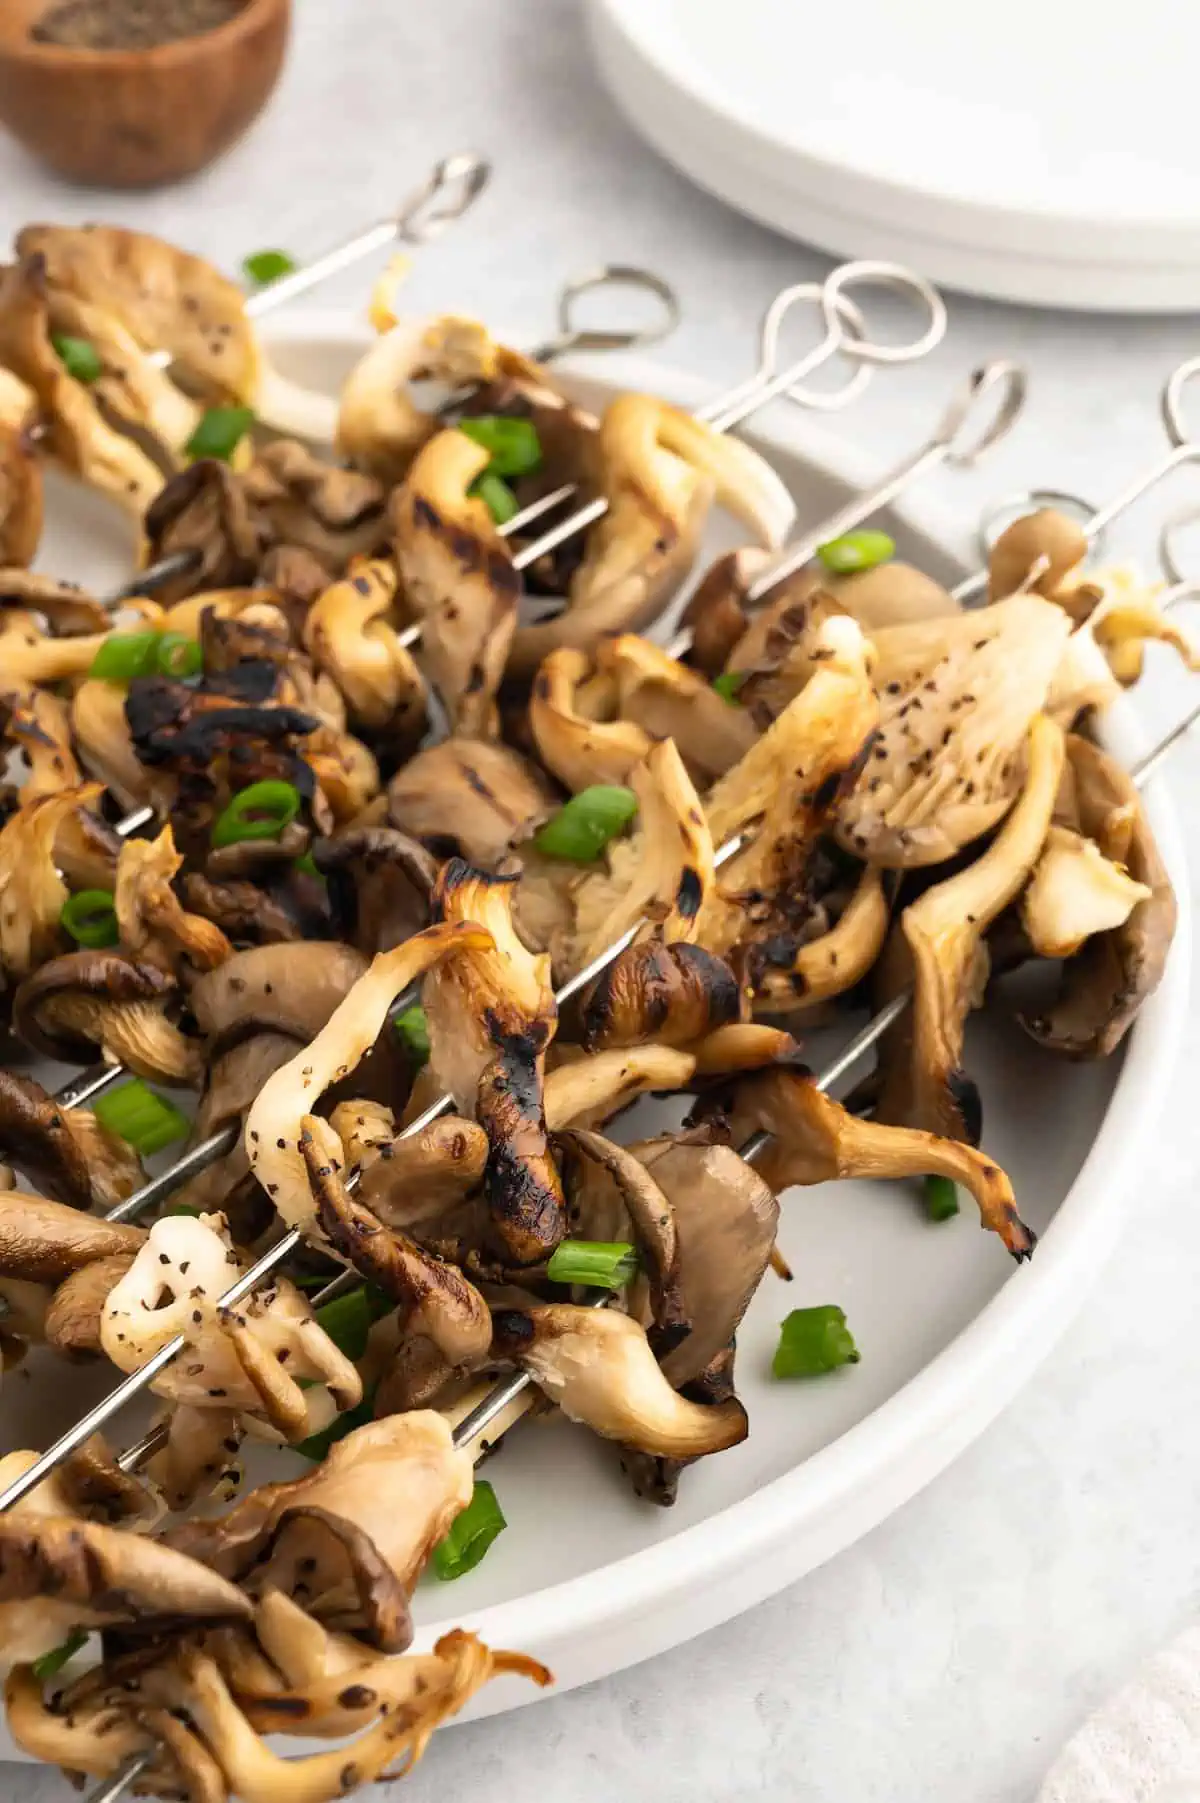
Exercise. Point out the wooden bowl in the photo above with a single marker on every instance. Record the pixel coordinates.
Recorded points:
(138, 118)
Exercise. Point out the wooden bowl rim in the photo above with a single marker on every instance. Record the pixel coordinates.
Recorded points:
(161, 58)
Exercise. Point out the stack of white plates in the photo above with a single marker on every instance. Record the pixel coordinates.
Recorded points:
(1033, 150)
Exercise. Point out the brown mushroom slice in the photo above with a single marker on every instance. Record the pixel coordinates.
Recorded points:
(32, 892)
(1105, 983)
(415, 1181)
(938, 948)
(597, 1366)
(348, 634)
(663, 870)
(571, 721)
(526, 1209)
(1075, 891)
(78, 436)
(457, 575)
(470, 797)
(65, 1152)
(97, 1739)
(673, 994)
(660, 470)
(301, 500)
(232, 1357)
(367, 1517)
(1039, 552)
(613, 1198)
(164, 296)
(587, 1091)
(153, 924)
(787, 786)
(795, 976)
(435, 1301)
(60, 1572)
(816, 1140)
(273, 1124)
(45, 1242)
(957, 697)
(89, 1005)
(670, 701)
(726, 1217)
(495, 996)
(68, 608)
(380, 883)
(73, 1318)
(204, 511)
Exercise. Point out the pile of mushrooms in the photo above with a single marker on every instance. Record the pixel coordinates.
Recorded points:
(370, 869)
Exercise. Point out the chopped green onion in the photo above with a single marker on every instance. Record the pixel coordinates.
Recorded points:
(183, 1208)
(471, 1534)
(728, 684)
(585, 824)
(124, 655)
(79, 358)
(267, 266)
(348, 1319)
(220, 432)
(813, 1340)
(499, 498)
(600, 1264)
(856, 551)
(941, 1199)
(91, 918)
(51, 1663)
(514, 445)
(261, 811)
(136, 1114)
(318, 1445)
(413, 1028)
(177, 655)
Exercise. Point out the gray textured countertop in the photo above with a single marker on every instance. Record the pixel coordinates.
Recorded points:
(947, 1655)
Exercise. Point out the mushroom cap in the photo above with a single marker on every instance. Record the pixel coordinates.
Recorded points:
(471, 798)
(288, 989)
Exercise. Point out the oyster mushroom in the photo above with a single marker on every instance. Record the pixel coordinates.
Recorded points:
(203, 511)
(792, 973)
(65, 1152)
(1106, 981)
(659, 470)
(105, 746)
(46, 1242)
(68, 608)
(130, 390)
(60, 1572)
(164, 296)
(154, 926)
(415, 1182)
(22, 509)
(1075, 891)
(956, 699)
(816, 1140)
(598, 1367)
(1040, 553)
(76, 1309)
(337, 514)
(673, 994)
(98, 1004)
(380, 883)
(613, 1197)
(38, 724)
(458, 577)
(572, 724)
(470, 798)
(670, 701)
(273, 1124)
(586, 1092)
(938, 948)
(348, 635)
(32, 892)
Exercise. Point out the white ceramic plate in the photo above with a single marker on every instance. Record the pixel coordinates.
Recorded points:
(1034, 152)
(588, 1578)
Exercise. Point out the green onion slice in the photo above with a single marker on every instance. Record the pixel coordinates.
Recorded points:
(220, 432)
(941, 1198)
(124, 655)
(413, 1028)
(585, 824)
(348, 1319)
(91, 918)
(137, 1114)
(856, 551)
(471, 1534)
(728, 684)
(513, 444)
(177, 655)
(51, 1663)
(79, 358)
(266, 266)
(261, 811)
(600, 1264)
(318, 1445)
(499, 498)
(183, 1208)
(813, 1340)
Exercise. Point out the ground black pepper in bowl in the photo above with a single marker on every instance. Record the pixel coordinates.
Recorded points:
(130, 24)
